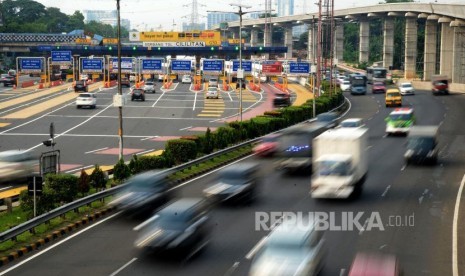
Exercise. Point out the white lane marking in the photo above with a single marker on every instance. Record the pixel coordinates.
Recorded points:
(445, 114)
(231, 270)
(74, 127)
(123, 267)
(153, 105)
(137, 118)
(455, 263)
(386, 190)
(78, 169)
(95, 150)
(385, 135)
(440, 123)
(195, 101)
(150, 137)
(363, 227)
(52, 246)
(5, 188)
(420, 199)
(186, 128)
(403, 167)
(377, 111)
(75, 135)
(243, 111)
(143, 152)
(369, 147)
(382, 246)
(343, 272)
(255, 249)
(229, 94)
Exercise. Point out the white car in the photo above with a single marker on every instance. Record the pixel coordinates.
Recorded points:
(149, 86)
(213, 82)
(84, 77)
(186, 79)
(16, 164)
(345, 85)
(86, 99)
(406, 88)
(212, 92)
(352, 123)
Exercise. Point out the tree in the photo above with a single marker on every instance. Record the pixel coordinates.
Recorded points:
(97, 178)
(84, 182)
(76, 21)
(121, 171)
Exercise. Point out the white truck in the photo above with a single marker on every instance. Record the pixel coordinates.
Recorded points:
(340, 163)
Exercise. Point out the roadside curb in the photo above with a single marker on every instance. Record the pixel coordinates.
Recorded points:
(54, 235)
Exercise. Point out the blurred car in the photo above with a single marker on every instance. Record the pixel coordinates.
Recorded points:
(267, 146)
(236, 181)
(339, 79)
(400, 121)
(293, 248)
(149, 86)
(186, 79)
(282, 99)
(144, 192)
(81, 85)
(371, 264)
(161, 77)
(84, 77)
(213, 82)
(182, 226)
(406, 88)
(8, 79)
(212, 92)
(352, 123)
(379, 87)
(422, 145)
(328, 118)
(125, 82)
(345, 85)
(86, 99)
(138, 94)
(16, 164)
(132, 78)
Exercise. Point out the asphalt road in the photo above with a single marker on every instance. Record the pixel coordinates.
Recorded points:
(416, 205)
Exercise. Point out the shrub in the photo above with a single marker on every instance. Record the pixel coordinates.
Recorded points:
(134, 165)
(181, 150)
(147, 163)
(97, 178)
(121, 171)
(83, 182)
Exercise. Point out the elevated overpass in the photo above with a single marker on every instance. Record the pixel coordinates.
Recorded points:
(444, 35)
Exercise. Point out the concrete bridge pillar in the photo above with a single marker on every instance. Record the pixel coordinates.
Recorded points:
(447, 36)
(364, 44)
(267, 37)
(388, 44)
(431, 31)
(339, 47)
(253, 37)
(411, 39)
(312, 43)
(235, 33)
(458, 52)
(288, 40)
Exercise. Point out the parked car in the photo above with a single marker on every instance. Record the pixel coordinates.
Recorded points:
(212, 92)
(81, 85)
(375, 264)
(8, 79)
(345, 85)
(352, 123)
(406, 88)
(16, 164)
(138, 94)
(293, 248)
(144, 192)
(282, 99)
(235, 182)
(149, 87)
(125, 82)
(213, 82)
(180, 228)
(186, 79)
(379, 87)
(267, 146)
(86, 99)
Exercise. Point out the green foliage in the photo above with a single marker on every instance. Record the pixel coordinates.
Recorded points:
(181, 150)
(84, 182)
(351, 41)
(97, 178)
(121, 171)
(134, 165)
(147, 163)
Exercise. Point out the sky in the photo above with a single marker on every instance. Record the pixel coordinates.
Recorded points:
(160, 15)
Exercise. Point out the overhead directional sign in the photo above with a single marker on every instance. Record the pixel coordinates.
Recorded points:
(272, 67)
(92, 65)
(152, 66)
(246, 65)
(61, 57)
(212, 65)
(299, 67)
(181, 65)
(126, 65)
(31, 65)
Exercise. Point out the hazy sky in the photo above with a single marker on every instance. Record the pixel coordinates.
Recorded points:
(150, 14)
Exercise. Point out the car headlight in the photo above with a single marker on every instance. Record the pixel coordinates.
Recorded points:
(408, 154)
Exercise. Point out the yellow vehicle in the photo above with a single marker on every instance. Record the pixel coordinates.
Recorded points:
(393, 97)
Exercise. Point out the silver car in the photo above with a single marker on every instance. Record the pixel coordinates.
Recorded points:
(406, 88)
(149, 86)
(213, 82)
(212, 92)
(16, 164)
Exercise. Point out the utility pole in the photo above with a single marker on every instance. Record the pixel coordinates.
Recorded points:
(120, 91)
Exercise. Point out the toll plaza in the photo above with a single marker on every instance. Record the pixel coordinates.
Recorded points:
(213, 68)
(273, 69)
(232, 67)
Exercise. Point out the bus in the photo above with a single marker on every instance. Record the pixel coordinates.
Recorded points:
(358, 84)
(376, 74)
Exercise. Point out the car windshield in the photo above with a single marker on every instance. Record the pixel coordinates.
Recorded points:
(234, 177)
(378, 84)
(349, 124)
(138, 91)
(406, 85)
(379, 73)
(420, 143)
(392, 95)
(149, 83)
(400, 117)
(331, 167)
(213, 80)
(172, 221)
(212, 89)
(85, 96)
(346, 82)
(326, 117)
(269, 139)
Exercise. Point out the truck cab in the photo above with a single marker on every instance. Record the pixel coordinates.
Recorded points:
(440, 84)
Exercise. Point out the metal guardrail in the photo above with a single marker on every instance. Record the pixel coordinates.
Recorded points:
(30, 224)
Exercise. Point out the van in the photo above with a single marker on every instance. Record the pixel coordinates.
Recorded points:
(393, 97)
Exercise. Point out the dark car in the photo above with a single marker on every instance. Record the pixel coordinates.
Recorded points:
(125, 82)
(422, 145)
(181, 227)
(81, 85)
(138, 94)
(282, 99)
(144, 192)
(8, 79)
(237, 181)
(328, 118)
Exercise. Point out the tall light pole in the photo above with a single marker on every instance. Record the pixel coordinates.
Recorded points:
(120, 91)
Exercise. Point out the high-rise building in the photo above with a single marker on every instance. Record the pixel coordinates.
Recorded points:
(193, 27)
(285, 7)
(106, 17)
(215, 18)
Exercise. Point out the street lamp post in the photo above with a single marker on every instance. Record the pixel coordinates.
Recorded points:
(120, 92)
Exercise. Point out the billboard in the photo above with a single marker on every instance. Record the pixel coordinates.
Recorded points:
(246, 65)
(181, 65)
(299, 67)
(89, 65)
(212, 65)
(31, 65)
(272, 67)
(210, 38)
(60, 57)
(152, 66)
(126, 65)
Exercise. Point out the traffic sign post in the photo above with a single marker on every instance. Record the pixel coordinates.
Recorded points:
(181, 66)
(34, 187)
(212, 66)
(91, 65)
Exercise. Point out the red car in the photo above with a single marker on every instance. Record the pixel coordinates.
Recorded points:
(374, 264)
(268, 146)
(379, 87)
